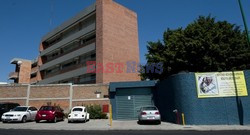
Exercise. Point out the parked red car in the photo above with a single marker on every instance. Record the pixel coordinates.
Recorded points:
(49, 113)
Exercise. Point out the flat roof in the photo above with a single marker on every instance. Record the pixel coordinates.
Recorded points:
(69, 22)
(114, 85)
(15, 60)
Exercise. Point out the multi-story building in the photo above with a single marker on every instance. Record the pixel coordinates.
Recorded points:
(104, 32)
(25, 71)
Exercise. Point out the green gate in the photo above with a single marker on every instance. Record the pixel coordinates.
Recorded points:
(129, 101)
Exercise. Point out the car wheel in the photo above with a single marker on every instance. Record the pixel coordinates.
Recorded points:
(24, 119)
(55, 120)
(37, 121)
(69, 121)
(4, 121)
(85, 120)
(139, 122)
(159, 122)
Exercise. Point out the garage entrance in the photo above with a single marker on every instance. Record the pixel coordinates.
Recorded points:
(127, 98)
(129, 101)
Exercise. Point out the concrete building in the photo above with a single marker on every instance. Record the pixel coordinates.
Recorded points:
(105, 33)
(25, 71)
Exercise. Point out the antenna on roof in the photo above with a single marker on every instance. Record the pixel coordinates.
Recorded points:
(51, 14)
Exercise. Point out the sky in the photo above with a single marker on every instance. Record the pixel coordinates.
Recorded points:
(24, 22)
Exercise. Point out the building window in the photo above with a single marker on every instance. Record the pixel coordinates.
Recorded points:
(68, 64)
(33, 75)
(106, 96)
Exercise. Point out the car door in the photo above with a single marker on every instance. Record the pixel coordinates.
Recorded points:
(3, 109)
(33, 113)
(61, 113)
(29, 113)
(57, 113)
(85, 113)
(6, 108)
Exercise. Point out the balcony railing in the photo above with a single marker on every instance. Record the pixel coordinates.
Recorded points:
(80, 46)
(33, 80)
(73, 67)
(34, 70)
(13, 75)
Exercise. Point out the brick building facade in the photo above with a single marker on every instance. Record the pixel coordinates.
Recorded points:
(22, 73)
(105, 33)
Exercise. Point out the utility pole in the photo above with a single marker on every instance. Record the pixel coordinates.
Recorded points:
(244, 20)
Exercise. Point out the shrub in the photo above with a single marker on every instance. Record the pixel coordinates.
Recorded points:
(66, 115)
(95, 112)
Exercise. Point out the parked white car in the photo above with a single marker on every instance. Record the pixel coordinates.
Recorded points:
(149, 113)
(20, 114)
(78, 113)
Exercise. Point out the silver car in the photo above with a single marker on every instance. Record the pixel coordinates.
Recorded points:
(149, 113)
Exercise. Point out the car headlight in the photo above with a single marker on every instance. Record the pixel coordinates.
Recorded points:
(69, 115)
(19, 115)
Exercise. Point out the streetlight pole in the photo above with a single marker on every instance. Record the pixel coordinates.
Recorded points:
(244, 20)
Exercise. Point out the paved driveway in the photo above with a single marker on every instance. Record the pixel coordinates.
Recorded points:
(117, 125)
(62, 132)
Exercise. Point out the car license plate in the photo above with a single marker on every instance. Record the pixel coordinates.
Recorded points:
(7, 119)
(44, 115)
(151, 117)
(75, 114)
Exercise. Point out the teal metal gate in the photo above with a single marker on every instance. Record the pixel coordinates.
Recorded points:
(128, 102)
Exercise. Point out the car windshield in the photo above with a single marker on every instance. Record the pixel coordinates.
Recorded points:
(149, 108)
(77, 109)
(20, 109)
(46, 108)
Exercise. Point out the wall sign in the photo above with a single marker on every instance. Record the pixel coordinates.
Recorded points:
(221, 84)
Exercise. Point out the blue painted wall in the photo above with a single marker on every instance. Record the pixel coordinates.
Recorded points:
(179, 92)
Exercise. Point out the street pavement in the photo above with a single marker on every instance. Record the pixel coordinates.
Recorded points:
(121, 132)
(95, 125)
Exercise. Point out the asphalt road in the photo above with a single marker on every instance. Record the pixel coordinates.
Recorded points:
(63, 132)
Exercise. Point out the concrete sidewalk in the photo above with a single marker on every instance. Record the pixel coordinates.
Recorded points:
(117, 125)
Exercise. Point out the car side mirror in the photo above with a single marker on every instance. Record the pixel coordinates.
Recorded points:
(11, 110)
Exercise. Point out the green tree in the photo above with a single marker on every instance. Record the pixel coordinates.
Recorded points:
(204, 45)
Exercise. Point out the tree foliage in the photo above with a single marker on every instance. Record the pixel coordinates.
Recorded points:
(204, 45)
